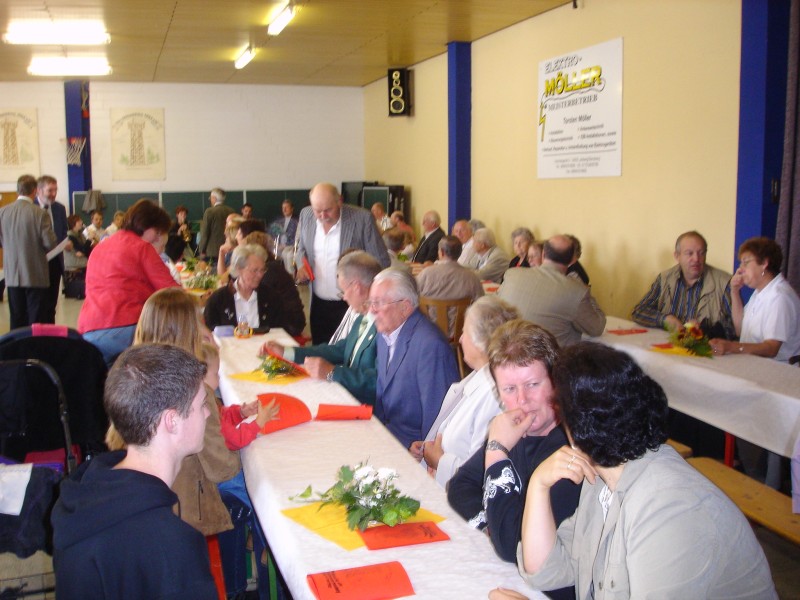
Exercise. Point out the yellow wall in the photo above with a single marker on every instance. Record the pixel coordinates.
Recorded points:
(679, 145)
(411, 151)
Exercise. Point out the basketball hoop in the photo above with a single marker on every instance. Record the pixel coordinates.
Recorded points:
(75, 147)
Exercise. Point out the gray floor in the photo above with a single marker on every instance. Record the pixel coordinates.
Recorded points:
(783, 556)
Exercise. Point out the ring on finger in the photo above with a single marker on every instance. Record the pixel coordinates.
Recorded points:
(571, 460)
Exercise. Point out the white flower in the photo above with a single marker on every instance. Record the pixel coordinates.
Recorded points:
(385, 473)
(362, 472)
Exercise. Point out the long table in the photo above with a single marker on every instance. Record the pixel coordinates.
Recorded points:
(753, 398)
(283, 463)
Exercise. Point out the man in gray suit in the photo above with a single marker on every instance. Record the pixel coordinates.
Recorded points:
(26, 234)
(326, 229)
(547, 297)
(212, 228)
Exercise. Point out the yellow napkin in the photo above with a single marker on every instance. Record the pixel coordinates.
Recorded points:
(330, 521)
(672, 350)
(259, 376)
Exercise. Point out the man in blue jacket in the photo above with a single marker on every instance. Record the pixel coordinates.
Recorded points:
(415, 363)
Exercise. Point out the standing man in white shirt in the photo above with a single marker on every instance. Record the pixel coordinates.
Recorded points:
(326, 229)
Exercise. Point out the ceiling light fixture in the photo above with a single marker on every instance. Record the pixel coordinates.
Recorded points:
(282, 20)
(245, 58)
(55, 66)
(57, 33)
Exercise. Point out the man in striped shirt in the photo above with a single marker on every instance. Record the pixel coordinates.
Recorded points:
(689, 291)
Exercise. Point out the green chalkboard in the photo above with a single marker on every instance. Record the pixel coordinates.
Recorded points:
(267, 203)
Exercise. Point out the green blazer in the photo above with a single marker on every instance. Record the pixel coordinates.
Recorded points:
(358, 378)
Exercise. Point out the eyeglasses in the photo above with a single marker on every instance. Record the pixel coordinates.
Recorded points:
(379, 304)
(746, 262)
(257, 270)
(343, 290)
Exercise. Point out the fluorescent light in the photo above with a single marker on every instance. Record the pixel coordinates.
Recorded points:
(281, 21)
(61, 65)
(57, 33)
(245, 58)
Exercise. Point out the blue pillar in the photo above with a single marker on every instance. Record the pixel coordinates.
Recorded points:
(762, 108)
(76, 109)
(459, 131)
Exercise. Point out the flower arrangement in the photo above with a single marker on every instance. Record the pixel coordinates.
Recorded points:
(274, 366)
(202, 281)
(691, 337)
(368, 496)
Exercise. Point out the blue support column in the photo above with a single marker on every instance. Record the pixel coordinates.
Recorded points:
(459, 131)
(76, 109)
(762, 108)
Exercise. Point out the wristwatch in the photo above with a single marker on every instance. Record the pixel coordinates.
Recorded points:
(495, 445)
(329, 376)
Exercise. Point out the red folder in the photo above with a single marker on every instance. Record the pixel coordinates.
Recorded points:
(375, 582)
(340, 412)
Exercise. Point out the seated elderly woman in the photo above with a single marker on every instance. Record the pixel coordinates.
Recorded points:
(521, 240)
(489, 489)
(648, 524)
(248, 298)
(536, 254)
(768, 325)
(460, 429)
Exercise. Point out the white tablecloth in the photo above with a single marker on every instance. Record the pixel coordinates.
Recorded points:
(283, 463)
(754, 398)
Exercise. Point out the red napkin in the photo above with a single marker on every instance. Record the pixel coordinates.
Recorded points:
(340, 412)
(626, 331)
(405, 534)
(375, 582)
(291, 412)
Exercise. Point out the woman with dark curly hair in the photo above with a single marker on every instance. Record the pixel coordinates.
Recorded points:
(647, 524)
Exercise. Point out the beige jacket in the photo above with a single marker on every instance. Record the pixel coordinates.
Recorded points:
(199, 502)
(669, 533)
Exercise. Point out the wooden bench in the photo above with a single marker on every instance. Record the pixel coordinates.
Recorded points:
(759, 503)
(681, 449)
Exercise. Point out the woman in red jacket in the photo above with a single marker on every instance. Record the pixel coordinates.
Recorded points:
(122, 272)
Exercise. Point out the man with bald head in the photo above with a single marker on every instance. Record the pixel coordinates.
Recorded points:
(428, 248)
(547, 297)
(326, 229)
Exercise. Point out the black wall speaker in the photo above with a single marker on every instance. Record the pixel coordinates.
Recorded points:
(399, 93)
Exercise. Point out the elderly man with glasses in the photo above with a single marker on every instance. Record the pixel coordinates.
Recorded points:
(415, 364)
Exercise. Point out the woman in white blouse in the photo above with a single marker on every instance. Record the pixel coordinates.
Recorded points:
(460, 428)
(769, 324)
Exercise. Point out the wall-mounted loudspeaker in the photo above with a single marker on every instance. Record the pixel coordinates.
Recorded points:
(399, 93)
